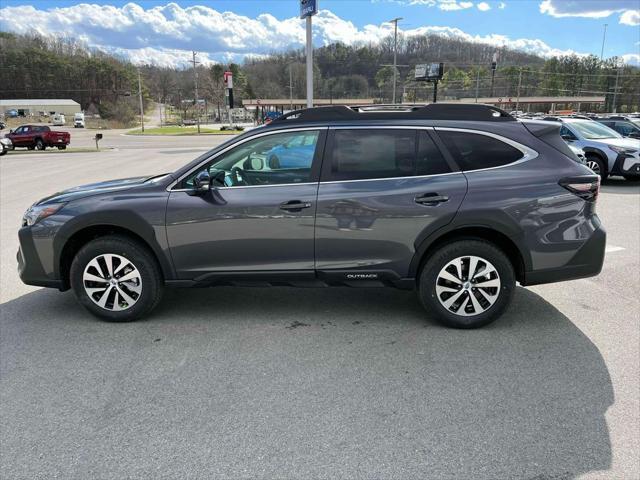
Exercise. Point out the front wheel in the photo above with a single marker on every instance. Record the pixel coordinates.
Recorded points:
(116, 279)
(597, 166)
(467, 283)
(40, 145)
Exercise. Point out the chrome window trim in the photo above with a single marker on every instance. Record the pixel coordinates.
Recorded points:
(234, 145)
(391, 178)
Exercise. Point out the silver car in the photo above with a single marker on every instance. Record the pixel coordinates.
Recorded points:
(607, 152)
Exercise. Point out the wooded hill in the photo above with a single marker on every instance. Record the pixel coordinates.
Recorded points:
(42, 67)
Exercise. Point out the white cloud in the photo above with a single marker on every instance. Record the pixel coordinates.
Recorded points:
(453, 5)
(165, 35)
(631, 59)
(483, 6)
(630, 13)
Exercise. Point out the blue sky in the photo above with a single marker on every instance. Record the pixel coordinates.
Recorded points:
(163, 33)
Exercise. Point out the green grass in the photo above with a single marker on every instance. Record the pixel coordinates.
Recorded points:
(175, 130)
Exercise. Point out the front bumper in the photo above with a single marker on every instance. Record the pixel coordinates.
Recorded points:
(627, 165)
(587, 262)
(30, 268)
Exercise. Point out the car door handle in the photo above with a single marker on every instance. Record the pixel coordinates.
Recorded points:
(431, 199)
(294, 205)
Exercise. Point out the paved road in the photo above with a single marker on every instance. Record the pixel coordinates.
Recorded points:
(299, 383)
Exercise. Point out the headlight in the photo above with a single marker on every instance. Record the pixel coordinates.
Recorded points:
(5, 141)
(622, 149)
(38, 212)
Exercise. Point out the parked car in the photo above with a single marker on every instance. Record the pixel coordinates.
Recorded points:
(579, 154)
(58, 120)
(78, 120)
(5, 146)
(625, 127)
(12, 113)
(38, 137)
(607, 152)
(455, 201)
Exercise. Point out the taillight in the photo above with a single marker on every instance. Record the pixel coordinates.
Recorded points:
(586, 187)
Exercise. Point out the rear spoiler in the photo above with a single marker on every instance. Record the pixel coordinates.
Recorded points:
(549, 133)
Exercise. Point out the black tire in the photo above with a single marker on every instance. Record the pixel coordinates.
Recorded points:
(461, 248)
(600, 168)
(139, 256)
(3, 151)
(40, 144)
(31, 147)
(632, 178)
(62, 147)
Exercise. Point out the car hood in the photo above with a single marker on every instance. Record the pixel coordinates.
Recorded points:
(621, 142)
(82, 191)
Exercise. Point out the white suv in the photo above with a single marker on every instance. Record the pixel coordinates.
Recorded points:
(607, 152)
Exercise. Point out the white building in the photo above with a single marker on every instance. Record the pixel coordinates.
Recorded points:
(34, 106)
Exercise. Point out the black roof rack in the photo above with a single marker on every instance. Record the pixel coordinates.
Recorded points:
(433, 111)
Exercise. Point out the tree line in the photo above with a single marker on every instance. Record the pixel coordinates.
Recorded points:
(34, 66)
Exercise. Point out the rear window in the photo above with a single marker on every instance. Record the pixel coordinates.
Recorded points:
(377, 153)
(473, 151)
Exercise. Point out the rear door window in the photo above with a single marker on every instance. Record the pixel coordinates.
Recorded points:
(429, 161)
(474, 151)
(358, 154)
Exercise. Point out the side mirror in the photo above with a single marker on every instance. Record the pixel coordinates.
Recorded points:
(11, 131)
(202, 182)
(567, 138)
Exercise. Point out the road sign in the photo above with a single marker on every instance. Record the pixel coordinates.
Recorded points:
(308, 8)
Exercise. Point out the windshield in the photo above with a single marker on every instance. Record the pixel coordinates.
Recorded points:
(594, 130)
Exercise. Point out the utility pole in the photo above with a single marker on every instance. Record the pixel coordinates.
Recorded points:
(477, 83)
(195, 89)
(290, 87)
(309, 63)
(604, 35)
(140, 98)
(615, 89)
(395, 56)
(519, 85)
(494, 66)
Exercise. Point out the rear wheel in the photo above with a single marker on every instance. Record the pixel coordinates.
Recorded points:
(116, 279)
(62, 147)
(467, 283)
(40, 144)
(596, 164)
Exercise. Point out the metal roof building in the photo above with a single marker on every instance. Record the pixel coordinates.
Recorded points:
(29, 106)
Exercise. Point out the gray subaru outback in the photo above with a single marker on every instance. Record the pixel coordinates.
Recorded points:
(458, 202)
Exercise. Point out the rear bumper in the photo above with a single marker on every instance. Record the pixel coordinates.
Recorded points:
(587, 262)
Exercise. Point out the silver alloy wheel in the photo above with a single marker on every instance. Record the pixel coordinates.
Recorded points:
(112, 282)
(468, 286)
(594, 166)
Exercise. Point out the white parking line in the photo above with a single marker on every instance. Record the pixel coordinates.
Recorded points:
(613, 248)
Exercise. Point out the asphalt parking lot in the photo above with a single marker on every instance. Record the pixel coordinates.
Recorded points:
(313, 383)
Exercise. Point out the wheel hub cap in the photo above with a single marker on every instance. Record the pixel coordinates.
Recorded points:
(468, 286)
(112, 282)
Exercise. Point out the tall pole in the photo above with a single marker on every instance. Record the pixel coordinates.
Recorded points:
(519, 85)
(309, 63)
(290, 87)
(477, 84)
(395, 56)
(140, 98)
(604, 35)
(494, 66)
(195, 90)
(615, 89)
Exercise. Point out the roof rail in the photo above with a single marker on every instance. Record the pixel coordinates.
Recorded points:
(433, 111)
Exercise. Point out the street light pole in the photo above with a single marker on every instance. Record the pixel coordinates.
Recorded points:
(395, 56)
(309, 63)
(140, 98)
(195, 88)
(615, 89)
(604, 35)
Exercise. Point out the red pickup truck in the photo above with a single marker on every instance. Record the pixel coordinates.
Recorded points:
(38, 137)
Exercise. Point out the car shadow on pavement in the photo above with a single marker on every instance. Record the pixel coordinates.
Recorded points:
(620, 186)
(299, 383)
